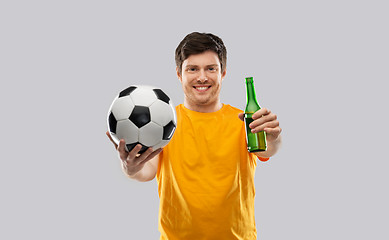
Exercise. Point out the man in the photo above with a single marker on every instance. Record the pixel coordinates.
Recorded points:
(205, 174)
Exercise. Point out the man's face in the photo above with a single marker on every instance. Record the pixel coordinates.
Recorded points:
(201, 79)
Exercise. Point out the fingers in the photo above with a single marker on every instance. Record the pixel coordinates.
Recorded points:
(110, 138)
(271, 124)
(120, 148)
(241, 116)
(133, 156)
(152, 155)
(261, 112)
(274, 131)
(137, 158)
(144, 157)
(271, 117)
(123, 154)
(135, 161)
(265, 119)
(134, 152)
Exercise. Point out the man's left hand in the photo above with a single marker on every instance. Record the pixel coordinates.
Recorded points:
(264, 120)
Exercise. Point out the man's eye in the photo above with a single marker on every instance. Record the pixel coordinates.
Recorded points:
(191, 69)
(212, 69)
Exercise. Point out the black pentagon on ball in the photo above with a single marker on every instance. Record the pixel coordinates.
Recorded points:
(127, 91)
(168, 130)
(132, 145)
(112, 123)
(161, 95)
(140, 116)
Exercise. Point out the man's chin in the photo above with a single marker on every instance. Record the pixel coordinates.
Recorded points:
(203, 102)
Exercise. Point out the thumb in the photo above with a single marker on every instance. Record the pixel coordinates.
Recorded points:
(110, 138)
(241, 116)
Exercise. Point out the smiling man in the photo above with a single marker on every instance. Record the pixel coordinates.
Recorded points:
(205, 174)
(201, 77)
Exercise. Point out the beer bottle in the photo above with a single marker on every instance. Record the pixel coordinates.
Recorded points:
(256, 142)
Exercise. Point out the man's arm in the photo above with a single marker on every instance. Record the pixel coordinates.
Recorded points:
(148, 171)
(141, 167)
(272, 148)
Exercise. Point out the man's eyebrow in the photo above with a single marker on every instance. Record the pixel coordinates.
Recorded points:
(192, 65)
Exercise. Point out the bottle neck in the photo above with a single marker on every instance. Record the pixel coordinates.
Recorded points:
(252, 104)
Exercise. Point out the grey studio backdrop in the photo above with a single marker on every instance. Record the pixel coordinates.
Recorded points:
(321, 66)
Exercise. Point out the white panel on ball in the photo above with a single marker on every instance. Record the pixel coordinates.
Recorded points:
(122, 108)
(150, 134)
(128, 131)
(143, 96)
(161, 113)
(161, 144)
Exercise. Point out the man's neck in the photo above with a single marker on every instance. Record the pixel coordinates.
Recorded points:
(204, 108)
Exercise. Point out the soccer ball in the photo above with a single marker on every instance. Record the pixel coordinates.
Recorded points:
(142, 115)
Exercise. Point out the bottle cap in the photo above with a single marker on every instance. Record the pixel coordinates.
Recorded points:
(249, 79)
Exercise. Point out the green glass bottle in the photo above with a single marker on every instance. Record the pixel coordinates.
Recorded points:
(256, 142)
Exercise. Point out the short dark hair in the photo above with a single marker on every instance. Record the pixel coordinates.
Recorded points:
(195, 43)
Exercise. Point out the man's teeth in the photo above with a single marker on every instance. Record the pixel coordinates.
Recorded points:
(201, 88)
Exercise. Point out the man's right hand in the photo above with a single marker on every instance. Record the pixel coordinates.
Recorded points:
(133, 162)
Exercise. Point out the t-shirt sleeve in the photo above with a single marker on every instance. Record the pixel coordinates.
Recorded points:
(255, 157)
(263, 159)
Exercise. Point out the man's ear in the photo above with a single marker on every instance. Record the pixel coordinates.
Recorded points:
(178, 74)
(224, 73)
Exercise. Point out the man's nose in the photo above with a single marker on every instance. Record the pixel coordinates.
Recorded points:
(203, 76)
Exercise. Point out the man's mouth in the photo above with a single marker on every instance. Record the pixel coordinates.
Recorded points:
(201, 88)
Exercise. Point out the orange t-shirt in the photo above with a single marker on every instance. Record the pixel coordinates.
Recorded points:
(206, 178)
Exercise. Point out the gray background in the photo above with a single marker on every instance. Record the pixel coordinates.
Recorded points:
(321, 66)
